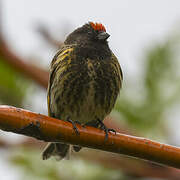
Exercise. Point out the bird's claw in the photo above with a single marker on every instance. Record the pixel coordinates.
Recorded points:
(74, 125)
(106, 130)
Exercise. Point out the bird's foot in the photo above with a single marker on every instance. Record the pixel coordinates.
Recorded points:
(74, 125)
(106, 130)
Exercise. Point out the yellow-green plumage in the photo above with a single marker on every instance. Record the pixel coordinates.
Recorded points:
(82, 91)
(85, 79)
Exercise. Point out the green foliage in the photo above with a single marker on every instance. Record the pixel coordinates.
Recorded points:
(30, 163)
(13, 86)
(143, 105)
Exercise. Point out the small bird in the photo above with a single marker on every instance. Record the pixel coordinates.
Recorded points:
(85, 80)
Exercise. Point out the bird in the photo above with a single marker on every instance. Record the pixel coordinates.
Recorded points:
(84, 82)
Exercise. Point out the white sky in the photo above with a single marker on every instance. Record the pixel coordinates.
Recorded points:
(133, 25)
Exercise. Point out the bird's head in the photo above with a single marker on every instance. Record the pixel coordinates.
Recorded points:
(88, 33)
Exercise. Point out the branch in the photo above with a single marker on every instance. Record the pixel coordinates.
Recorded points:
(37, 74)
(130, 166)
(44, 32)
(53, 130)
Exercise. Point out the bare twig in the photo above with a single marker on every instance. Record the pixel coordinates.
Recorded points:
(48, 37)
(37, 74)
(53, 130)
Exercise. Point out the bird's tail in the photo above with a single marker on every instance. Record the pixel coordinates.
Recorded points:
(59, 150)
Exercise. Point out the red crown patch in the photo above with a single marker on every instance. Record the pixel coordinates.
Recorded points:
(97, 26)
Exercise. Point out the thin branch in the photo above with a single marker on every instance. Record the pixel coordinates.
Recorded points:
(53, 130)
(44, 32)
(37, 74)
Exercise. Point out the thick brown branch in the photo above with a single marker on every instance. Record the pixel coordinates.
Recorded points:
(37, 74)
(132, 167)
(49, 129)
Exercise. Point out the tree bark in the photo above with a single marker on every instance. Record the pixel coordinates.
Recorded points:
(49, 129)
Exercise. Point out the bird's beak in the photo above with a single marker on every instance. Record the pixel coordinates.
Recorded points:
(103, 36)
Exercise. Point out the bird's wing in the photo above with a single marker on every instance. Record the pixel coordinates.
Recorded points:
(61, 55)
(118, 69)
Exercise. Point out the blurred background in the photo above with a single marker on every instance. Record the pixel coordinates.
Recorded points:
(145, 36)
